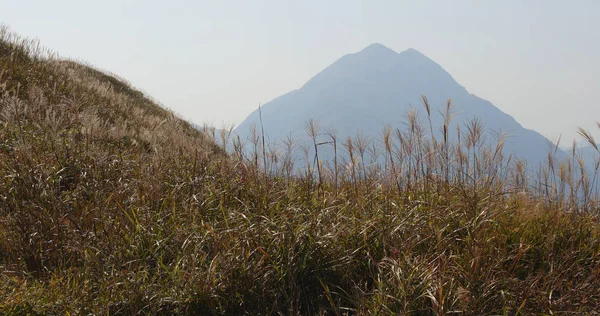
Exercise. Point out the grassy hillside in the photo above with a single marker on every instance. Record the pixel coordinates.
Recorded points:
(110, 204)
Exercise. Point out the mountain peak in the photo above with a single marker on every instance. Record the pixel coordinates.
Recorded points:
(377, 51)
(384, 54)
(377, 47)
(367, 89)
(412, 51)
(415, 56)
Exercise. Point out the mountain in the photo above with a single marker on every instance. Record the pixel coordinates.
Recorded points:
(364, 91)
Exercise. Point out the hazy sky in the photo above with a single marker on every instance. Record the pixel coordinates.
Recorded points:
(215, 61)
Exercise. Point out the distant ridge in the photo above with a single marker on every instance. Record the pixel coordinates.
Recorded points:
(363, 91)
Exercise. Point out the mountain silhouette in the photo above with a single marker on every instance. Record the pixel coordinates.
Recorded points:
(364, 91)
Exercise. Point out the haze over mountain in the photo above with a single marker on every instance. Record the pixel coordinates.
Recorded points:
(589, 154)
(362, 92)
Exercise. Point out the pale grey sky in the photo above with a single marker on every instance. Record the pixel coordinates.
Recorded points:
(215, 61)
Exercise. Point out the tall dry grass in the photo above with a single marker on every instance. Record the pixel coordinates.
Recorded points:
(111, 205)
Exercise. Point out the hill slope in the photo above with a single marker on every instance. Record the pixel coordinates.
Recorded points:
(86, 161)
(377, 86)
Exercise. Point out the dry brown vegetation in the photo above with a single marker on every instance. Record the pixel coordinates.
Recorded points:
(110, 204)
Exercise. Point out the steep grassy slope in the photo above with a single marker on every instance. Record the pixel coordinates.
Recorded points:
(111, 205)
(85, 161)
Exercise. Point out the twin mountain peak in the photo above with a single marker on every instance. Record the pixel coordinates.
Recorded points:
(364, 91)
